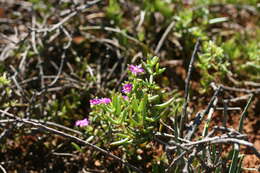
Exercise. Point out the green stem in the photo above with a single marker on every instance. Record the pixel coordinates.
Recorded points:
(235, 156)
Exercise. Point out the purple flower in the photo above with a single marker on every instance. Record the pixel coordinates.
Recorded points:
(105, 100)
(127, 88)
(100, 101)
(82, 123)
(94, 101)
(125, 97)
(135, 69)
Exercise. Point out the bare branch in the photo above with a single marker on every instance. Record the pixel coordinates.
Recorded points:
(187, 85)
(167, 31)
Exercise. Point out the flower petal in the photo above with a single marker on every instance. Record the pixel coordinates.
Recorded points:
(135, 69)
(82, 123)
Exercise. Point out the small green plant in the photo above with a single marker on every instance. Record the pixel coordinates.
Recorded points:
(212, 63)
(245, 55)
(113, 11)
(132, 116)
(3, 80)
(139, 124)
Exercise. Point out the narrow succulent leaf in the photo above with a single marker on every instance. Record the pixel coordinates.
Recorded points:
(235, 158)
(76, 146)
(153, 98)
(121, 142)
(123, 116)
(164, 105)
(234, 162)
(109, 118)
(240, 128)
(134, 105)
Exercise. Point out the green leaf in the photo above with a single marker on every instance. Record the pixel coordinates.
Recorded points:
(150, 119)
(123, 116)
(4, 80)
(143, 109)
(160, 71)
(154, 98)
(116, 102)
(134, 105)
(113, 11)
(163, 7)
(121, 142)
(218, 20)
(109, 118)
(164, 105)
(122, 135)
(234, 162)
(76, 146)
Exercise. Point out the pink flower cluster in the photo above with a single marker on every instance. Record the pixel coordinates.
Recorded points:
(100, 101)
(85, 122)
(127, 88)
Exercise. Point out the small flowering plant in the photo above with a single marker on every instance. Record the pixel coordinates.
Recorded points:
(131, 116)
